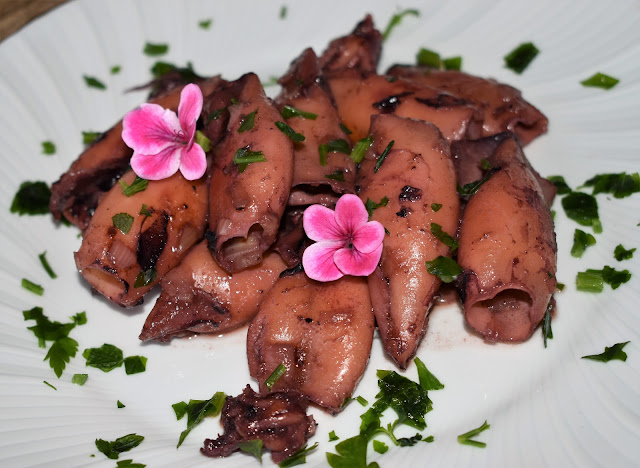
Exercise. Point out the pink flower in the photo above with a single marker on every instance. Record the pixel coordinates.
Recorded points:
(162, 142)
(346, 243)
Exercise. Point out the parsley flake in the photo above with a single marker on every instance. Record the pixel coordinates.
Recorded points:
(466, 438)
(283, 12)
(153, 50)
(123, 222)
(428, 381)
(610, 353)
(334, 146)
(336, 175)
(333, 437)
(289, 112)
(521, 57)
(48, 148)
(120, 405)
(581, 240)
(299, 457)
(115, 69)
(583, 209)
(32, 198)
(79, 379)
(600, 80)
(145, 211)
(138, 185)
(196, 411)
(252, 447)
(620, 253)
(145, 278)
(547, 333)
(113, 449)
(352, 453)
(90, 137)
(443, 237)
(620, 185)
(428, 58)
(383, 156)
(244, 156)
(93, 82)
(472, 187)
(106, 358)
(561, 185)
(205, 24)
(436, 207)
(135, 364)
(380, 447)
(129, 464)
(290, 132)
(445, 268)
(247, 122)
(370, 205)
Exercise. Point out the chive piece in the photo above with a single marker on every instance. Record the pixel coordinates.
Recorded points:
(244, 156)
(380, 446)
(48, 148)
(520, 58)
(289, 112)
(581, 240)
(145, 278)
(560, 184)
(120, 405)
(290, 132)
(428, 58)
(589, 281)
(283, 12)
(153, 50)
(253, 447)
(444, 237)
(93, 82)
(52, 275)
(79, 379)
(363, 401)
(123, 221)
(445, 268)
(247, 122)
(90, 137)
(619, 185)
(333, 437)
(583, 209)
(359, 150)
(205, 24)
(115, 69)
(436, 207)
(138, 185)
(203, 141)
(275, 375)
(465, 439)
(600, 80)
(144, 210)
(47, 383)
(345, 129)
(428, 381)
(610, 353)
(32, 287)
(337, 175)
(383, 156)
(135, 364)
(547, 333)
(32, 198)
(620, 253)
(370, 205)
(453, 63)
(396, 19)
(334, 146)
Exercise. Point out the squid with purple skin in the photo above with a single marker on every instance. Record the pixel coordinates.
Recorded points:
(247, 200)
(77, 193)
(123, 262)
(320, 332)
(416, 172)
(500, 107)
(507, 249)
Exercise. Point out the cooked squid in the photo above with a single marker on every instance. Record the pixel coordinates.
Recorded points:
(507, 250)
(320, 332)
(416, 173)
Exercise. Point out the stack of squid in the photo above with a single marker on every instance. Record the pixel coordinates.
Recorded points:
(226, 249)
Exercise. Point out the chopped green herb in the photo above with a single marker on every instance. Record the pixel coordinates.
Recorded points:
(44, 381)
(120, 405)
(428, 381)
(370, 205)
(445, 268)
(215, 115)
(123, 222)
(560, 184)
(620, 253)
(337, 175)
(600, 80)
(32, 198)
(247, 122)
(339, 145)
(283, 11)
(252, 447)
(547, 332)
(273, 81)
(436, 207)
(469, 189)
(129, 464)
(333, 437)
(299, 457)
(362, 400)
(113, 449)
(135, 364)
(106, 358)
(203, 141)
(275, 375)
(32, 287)
(145, 278)
(153, 50)
(144, 210)
(352, 453)
(583, 209)
(581, 240)
(453, 63)
(234, 101)
(409, 441)
(587, 281)
(619, 185)
(115, 69)
(428, 58)
(79, 379)
(428, 439)
(360, 148)
(615, 278)
(90, 137)
(520, 58)
(138, 185)
(610, 353)
(80, 318)
(244, 156)
(560, 286)
(159, 69)
(197, 410)
(93, 82)
(485, 165)
(289, 112)
(48, 147)
(396, 19)
(383, 156)
(290, 132)
(443, 237)
(379, 446)
(345, 129)
(205, 24)
(466, 438)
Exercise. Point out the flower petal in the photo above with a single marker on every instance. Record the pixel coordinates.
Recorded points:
(355, 263)
(189, 109)
(367, 238)
(157, 166)
(350, 213)
(317, 261)
(320, 224)
(193, 162)
(150, 128)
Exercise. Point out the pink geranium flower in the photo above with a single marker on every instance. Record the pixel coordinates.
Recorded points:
(346, 244)
(164, 142)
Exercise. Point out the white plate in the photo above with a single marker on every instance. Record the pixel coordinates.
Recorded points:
(546, 407)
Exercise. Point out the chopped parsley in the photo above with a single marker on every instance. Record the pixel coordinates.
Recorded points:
(583, 209)
(351, 453)
(275, 376)
(334, 146)
(336, 175)
(592, 280)
(436, 207)
(123, 221)
(370, 205)
(115, 69)
(205, 24)
(360, 148)
(244, 156)
(145, 278)
(600, 80)
(144, 210)
(113, 449)
(79, 379)
(452, 63)
(581, 240)
(47, 383)
(333, 437)
(610, 353)
(120, 405)
(159, 69)
(283, 12)
(90, 137)
(48, 147)
(32, 287)
(472, 187)
(521, 57)
(290, 132)
(620, 253)
(93, 82)
(620, 185)
(129, 464)
(445, 268)
(396, 19)
(138, 185)
(560, 286)
(299, 457)
(466, 438)
(196, 411)
(247, 122)
(383, 156)
(289, 112)
(135, 364)
(153, 50)
(203, 141)
(443, 237)
(106, 358)
(252, 447)
(380, 447)
(432, 59)
(560, 184)
(428, 381)
(215, 115)
(345, 129)
(547, 333)
(32, 198)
